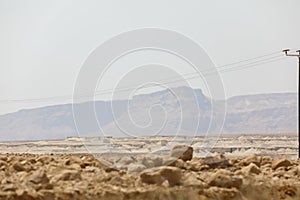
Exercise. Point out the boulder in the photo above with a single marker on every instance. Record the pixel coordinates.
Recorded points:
(182, 152)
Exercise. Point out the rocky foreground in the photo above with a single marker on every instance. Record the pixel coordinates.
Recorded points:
(61, 176)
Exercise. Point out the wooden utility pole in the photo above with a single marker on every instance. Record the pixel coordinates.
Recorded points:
(296, 55)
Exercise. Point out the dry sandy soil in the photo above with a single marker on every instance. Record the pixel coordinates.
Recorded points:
(64, 176)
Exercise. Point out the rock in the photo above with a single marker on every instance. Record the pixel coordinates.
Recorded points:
(152, 162)
(191, 180)
(224, 179)
(39, 177)
(281, 163)
(20, 192)
(169, 161)
(135, 167)
(266, 160)
(47, 194)
(67, 162)
(68, 175)
(18, 167)
(295, 171)
(181, 164)
(251, 159)
(171, 174)
(27, 195)
(9, 187)
(3, 158)
(182, 152)
(73, 160)
(216, 162)
(125, 161)
(3, 165)
(23, 162)
(196, 164)
(75, 166)
(252, 168)
(32, 161)
(287, 191)
(147, 163)
(223, 193)
(280, 172)
(157, 161)
(151, 178)
(45, 159)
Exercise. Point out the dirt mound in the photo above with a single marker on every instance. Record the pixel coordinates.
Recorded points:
(30, 176)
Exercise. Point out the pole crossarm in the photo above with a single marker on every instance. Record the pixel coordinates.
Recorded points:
(289, 54)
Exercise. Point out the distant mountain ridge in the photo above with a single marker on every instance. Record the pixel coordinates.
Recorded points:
(261, 113)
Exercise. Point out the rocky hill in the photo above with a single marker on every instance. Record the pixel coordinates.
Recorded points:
(160, 112)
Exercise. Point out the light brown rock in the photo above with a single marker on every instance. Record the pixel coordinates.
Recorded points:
(170, 161)
(172, 174)
(223, 193)
(3, 165)
(159, 175)
(135, 167)
(224, 179)
(151, 178)
(251, 169)
(281, 163)
(216, 162)
(38, 177)
(68, 175)
(18, 167)
(251, 159)
(182, 152)
(266, 160)
(191, 180)
(152, 162)
(9, 187)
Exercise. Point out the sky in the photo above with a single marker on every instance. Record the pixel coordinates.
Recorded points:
(43, 44)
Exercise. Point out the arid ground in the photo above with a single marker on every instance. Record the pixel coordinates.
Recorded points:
(182, 174)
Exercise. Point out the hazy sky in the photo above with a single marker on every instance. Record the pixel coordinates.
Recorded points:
(44, 43)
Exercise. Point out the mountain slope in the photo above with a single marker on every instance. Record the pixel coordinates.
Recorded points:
(159, 113)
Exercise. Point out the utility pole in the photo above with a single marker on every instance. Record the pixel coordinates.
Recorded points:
(296, 55)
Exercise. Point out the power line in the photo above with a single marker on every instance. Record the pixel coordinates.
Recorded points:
(223, 68)
(266, 55)
(196, 75)
(109, 91)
